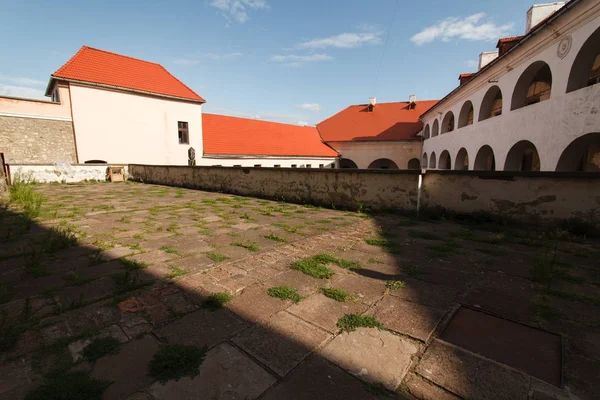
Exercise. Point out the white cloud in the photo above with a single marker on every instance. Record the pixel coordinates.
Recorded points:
(303, 123)
(343, 40)
(310, 107)
(22, 81)
(294, 60)
(22, 91)
(472, 63)
(472, 27)
(238, 9)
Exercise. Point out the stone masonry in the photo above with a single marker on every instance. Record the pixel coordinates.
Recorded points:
(36, 141)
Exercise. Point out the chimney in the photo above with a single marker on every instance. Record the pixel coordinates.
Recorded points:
(539, 12)
(412, 101)
(487, 57)
(372, 101)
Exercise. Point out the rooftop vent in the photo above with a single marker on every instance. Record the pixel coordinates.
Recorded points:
(539, 12)
(412, 101)
(372, 101)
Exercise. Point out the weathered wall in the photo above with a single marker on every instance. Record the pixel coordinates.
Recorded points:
(525, 196)
(62, 172)
(36, 140)
(521, 196)
(364, 153)
(340, 188)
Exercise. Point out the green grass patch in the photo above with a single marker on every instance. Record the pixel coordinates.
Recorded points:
(175, 361)
(139, 236)
(250, 246)
(395, 285)
(385, 244)
(69, 385)
(335, 294)
(350, 322)
(423, 235)
(314, 268)
(328, 258)
(374, 261)
(216, 301)
(284, 293)
(170, 250)
(132, 264)
(276, 238)
(23, 194)
(101, 347)
(175, 272)
(216, 257)
(125, 219)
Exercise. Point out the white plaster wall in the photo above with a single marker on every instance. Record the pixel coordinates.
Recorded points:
(364, 153)
(267, 162)
(29, 108)
(550, 125)
(122, 127)
(61, 172)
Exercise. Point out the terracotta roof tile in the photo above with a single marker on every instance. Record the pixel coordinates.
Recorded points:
(226, 135)
(386, 121)
(106, 68)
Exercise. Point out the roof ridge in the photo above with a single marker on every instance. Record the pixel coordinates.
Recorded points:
(178, 80)
(120, 55)
(70, 60)
(259, 120)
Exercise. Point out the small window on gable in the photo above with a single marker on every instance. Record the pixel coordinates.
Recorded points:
(321, 165)
(277, 166)
(55, 97)
(257, 165)
(294, 166)
(183, 132)
(308, 165)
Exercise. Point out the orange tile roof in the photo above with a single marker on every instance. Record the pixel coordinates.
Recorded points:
(224, 135)
(106, 68)
(387, 121)
(508, 40)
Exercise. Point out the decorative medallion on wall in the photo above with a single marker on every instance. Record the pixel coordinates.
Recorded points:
(564, 46)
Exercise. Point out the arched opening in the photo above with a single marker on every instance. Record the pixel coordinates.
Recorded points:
(95, 162)
(466, 114)
(432, 161)
(582, 155)
(448, 122)
(426, 132)
(523, 156)
(586, 67)
(445, 162)
(491, 105)
(485, 160)
(533, 86)
(462, 160)
(424, 161)
(347, 163)
(436, 128)
(414, 163)
(383, 163)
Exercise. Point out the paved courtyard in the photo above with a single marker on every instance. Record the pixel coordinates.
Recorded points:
(285, 301)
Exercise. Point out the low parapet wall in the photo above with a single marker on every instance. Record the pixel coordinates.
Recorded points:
(63, 172)
(532, 197)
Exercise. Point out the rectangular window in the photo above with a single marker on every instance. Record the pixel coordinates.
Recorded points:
(277, 166)
(293, 165)
(308, 165)
(257, 165)
(332, 165)
(183, 132)
(321, 165)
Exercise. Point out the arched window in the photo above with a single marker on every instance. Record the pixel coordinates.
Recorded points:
(485, 160)
(445, 162)
(448, 122)
(383, 163)
(583, 155)
(491, 105)
(534, 86)
(432, 161)
(436, 128)
(462, 160)
(426, 132)
(523, 156)
(347, 163)
(414, 163)
(586, 67)
(425, 160)
(466, 114)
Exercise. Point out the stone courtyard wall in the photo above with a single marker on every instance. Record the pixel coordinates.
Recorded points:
(3, 183)
(525, 196)
(37, 140)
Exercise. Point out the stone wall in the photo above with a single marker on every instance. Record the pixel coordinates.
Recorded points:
(524, 196)
(62, 172)
(33, 140)
(3, 183)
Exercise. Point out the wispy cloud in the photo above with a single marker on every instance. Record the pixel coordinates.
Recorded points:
(22, 81)
(207, 56)
(22, 91)
(314, 107)
(473, 27)
(238, 9)
(294, 60)
(472, 63)
(343, 40)
(303, 123)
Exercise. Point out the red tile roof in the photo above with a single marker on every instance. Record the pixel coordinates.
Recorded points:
(226, 135)
(387, 121)
(106, 68)
(508, 40)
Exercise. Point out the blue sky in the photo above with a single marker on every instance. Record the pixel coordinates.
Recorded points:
(279, 60)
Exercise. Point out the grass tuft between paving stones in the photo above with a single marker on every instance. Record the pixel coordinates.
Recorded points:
(216, 257)
(350, 322)
(284, 293)
(74, 385)
(250, 246)
(335, 294)
(216, 301)
(275, 238)
(395, 285)
(176, 361)
(101, 347)
(317, 266)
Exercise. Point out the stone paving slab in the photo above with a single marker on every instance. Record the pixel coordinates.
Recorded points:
(263, 305)
(428, 294)
(373, 355)
(283, 343)
(366, 290)
(128, 369)
(405, 317)
(424, 389)
(304, 284)
(226, 373)
(471, 376)
(325, 312)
